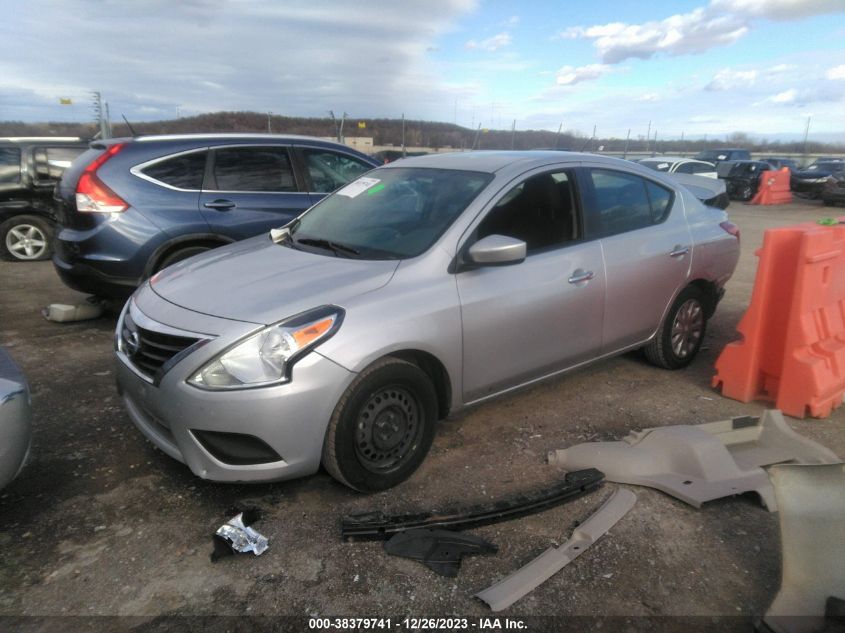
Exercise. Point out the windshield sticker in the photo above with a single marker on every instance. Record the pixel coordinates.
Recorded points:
(376, 189)
(663, 166)
(356, 188)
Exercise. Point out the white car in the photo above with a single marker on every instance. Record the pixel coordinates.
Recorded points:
(680, 165)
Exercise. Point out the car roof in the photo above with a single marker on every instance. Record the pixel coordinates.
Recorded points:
(673, 159)
(492, 161)
(226, 136)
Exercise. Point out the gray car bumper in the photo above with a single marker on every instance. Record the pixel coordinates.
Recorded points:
(287, 421)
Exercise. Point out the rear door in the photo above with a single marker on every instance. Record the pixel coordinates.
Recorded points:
(647, 248)
(250, 189)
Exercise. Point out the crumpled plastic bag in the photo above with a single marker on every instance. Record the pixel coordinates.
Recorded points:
(236, 536)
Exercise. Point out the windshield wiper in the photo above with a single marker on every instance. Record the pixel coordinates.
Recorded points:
(335, 247)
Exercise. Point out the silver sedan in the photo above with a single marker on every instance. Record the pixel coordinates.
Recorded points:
(423, 287)
(15, 430)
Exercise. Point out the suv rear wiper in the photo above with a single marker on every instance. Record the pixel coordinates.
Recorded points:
(335, 247)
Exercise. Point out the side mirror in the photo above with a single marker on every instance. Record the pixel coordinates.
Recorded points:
(497, 250)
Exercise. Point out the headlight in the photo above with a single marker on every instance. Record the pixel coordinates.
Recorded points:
(265, 358)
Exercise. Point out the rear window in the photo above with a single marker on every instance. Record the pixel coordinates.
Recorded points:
(51, 162)
(10, 165)
(255, 169)
(625, 202)
(183, 172)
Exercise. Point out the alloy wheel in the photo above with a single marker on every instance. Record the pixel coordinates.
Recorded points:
(26, 241)
(687, 328)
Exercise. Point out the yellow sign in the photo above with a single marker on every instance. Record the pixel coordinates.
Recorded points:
(362, 125)
(64, 101)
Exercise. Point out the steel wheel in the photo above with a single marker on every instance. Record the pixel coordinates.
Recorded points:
(687, 328)
(26, 241)
(387, 427)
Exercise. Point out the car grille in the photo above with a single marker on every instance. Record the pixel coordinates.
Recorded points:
(149, 350)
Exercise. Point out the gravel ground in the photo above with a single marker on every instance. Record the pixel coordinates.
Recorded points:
(102, 523)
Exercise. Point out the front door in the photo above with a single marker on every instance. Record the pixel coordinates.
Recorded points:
(250, 190)
(527, 320)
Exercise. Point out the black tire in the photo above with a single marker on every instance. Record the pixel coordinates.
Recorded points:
(396, 398)
(26, 238)
(180, 254)
(746, 193)
(686, 321)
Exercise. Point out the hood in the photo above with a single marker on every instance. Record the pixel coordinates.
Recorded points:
(809, 174)
(262, 282)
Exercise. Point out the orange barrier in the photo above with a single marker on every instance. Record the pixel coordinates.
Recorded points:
(774, 188)
(792, 349)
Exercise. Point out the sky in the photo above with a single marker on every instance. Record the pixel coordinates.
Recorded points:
(671, 67)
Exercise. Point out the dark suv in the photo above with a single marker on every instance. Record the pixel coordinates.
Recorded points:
(130, 207)
(29, 169)
(716, 156)
(742, 177)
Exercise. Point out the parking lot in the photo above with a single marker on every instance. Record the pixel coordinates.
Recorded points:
(102, 523)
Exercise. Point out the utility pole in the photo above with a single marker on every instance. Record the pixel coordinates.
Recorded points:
(340, 133)
(683, 148)
(403, 135)
(334, 122)
(648, 138)
(108, 121)
(477, 133)
(269, 129)
(655, 143)
(627, 140)
(513, 133)
(592, 138)
(99, 113)
(806, 134)
(557, 136)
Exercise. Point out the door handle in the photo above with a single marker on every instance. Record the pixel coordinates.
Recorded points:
(679, 251)
(581, 275)
(219, 205)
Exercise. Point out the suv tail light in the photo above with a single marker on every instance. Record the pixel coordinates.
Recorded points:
(730, 227)
(92, 194)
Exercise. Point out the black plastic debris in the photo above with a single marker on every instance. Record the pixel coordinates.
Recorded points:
(440, 550)
(379, 526)
(236, 535)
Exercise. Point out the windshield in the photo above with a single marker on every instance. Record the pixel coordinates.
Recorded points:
(712, 154)
(389, 213)
(831, 166)
(657, 165)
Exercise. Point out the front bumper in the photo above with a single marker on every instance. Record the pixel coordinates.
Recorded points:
(15, 420)
(290, 418)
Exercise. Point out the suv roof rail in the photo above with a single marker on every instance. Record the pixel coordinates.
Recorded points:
(24, 139)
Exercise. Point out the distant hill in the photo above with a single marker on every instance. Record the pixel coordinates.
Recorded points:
(431, 134)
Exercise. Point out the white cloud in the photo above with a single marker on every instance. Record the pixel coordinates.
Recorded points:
(491, 44)
(649, 97)
(837, 72)
(512, 21)
(719, 23)
(202, 55)
(778, 9)
(569, 75)
(729, 79)
(787, 96)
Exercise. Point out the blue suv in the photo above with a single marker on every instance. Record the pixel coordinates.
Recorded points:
(127, 208)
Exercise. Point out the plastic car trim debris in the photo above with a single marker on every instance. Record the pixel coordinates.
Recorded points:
(700, 463)
(811, 499)
(513, 587)
(378, 526)
(236, 536)
(440, 550)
